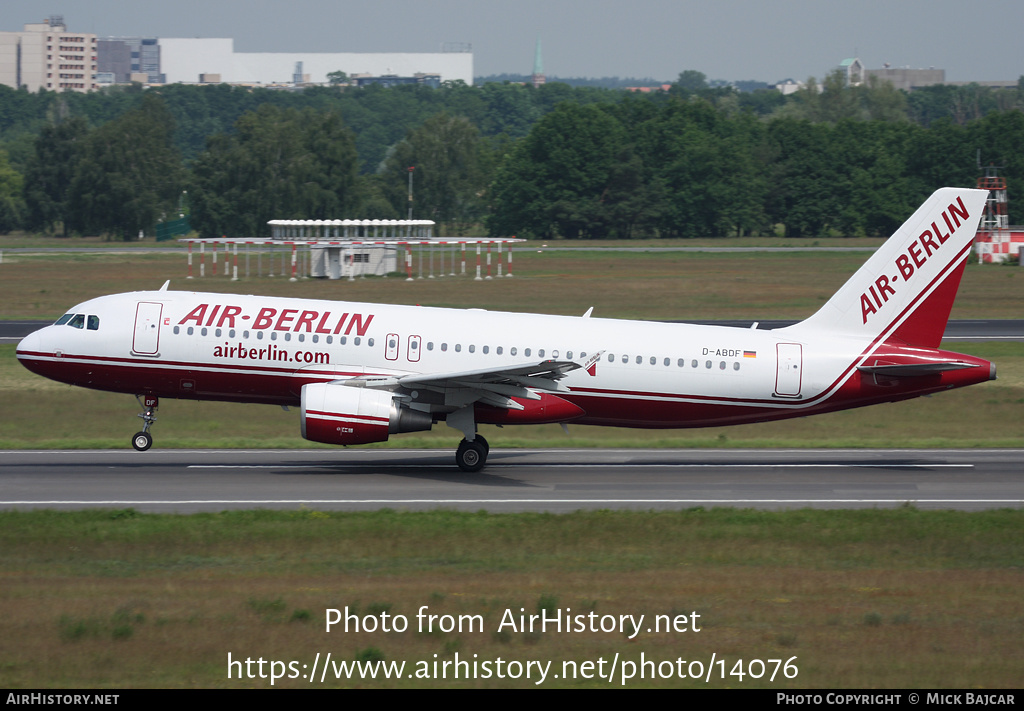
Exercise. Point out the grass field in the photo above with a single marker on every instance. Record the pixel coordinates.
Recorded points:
(852, 599)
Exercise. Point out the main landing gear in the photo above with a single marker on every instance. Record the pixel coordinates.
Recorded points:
(144, 440)
(472, 455)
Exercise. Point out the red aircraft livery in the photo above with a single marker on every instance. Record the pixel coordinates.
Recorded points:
(294, 320)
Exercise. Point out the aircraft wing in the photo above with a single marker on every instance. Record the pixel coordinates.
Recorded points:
(493, 386)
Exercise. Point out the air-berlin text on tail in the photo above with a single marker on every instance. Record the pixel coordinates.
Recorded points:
(326, 322)
(913, 258)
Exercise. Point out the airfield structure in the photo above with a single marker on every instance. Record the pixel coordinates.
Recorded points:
(996, 240)
(338, 249)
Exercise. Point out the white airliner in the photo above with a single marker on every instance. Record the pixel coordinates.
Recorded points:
(361, 372)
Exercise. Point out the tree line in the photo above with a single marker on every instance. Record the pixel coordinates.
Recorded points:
(556, 161)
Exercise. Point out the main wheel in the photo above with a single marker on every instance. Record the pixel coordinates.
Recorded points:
(481, 440)
(142, 441)
(471, 456)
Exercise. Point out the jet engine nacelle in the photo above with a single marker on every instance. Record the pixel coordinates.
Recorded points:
(338, 414)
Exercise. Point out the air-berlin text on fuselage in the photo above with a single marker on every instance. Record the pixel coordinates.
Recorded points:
(298, 320)
(917, 253)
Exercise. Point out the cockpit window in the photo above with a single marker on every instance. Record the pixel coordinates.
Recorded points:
(78, 321)
(94, 323)
(63, 319)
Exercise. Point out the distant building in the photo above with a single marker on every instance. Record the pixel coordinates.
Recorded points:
(386, 80)
(788, 86)
(908, 79)
(184, 59)
(47, 56)
(853, 71)
(125, 56)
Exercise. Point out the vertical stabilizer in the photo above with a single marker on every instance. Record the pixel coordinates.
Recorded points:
(905, 291)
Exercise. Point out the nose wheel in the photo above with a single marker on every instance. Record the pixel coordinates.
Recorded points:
(143, 440)
(472, 455)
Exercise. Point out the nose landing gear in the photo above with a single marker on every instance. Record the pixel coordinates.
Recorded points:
(143, 440)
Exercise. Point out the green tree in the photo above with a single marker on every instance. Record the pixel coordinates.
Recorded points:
(50, 172)
(691, 81)
(129, 174)
(337, 78)
(557, 180)
(449, 182)
(279, 164)
(12, 206)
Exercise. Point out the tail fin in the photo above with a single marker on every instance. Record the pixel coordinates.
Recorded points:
(905, 291)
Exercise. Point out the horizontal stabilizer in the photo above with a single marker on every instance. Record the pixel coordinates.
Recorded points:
(910, 370)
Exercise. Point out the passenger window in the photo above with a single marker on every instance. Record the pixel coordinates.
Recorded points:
(217, 333)
(708, 365)
(693, 363)
(654, 361)
(472, 349)
(78, 321)
(444, 347)
(625, 359)
(356, 341)
(430, 345)
(273, 334)
(204, 331)
(369, 342)
(330, 340)
(94, 323)
(487, 349)
(192, 330)
(540, 353)
(343, 340)
(177, 330)
(512, 350)
(231, 334)
(568, 355)
(611, 357)
(458, 347)
(554, 354)
(681, 362)
(527, 353)
(498, 350)
(736, 365)
(721, 366)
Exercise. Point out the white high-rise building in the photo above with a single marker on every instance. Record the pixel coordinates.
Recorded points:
(46, 56)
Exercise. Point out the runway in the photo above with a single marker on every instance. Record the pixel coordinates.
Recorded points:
(187, 481)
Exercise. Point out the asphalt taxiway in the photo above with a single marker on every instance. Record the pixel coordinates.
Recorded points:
(186, 481)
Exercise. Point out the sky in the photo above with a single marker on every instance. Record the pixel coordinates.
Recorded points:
(764, 40)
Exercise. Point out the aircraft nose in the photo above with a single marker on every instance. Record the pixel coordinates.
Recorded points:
(30, 343)
(29, 347)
